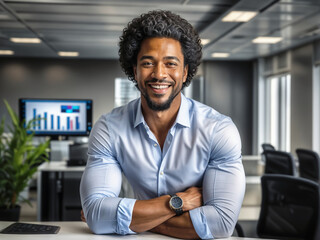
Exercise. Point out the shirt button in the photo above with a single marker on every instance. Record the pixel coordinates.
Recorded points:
(161, 173)
(155, 145)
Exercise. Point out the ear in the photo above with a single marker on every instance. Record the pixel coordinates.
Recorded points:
(185, 73)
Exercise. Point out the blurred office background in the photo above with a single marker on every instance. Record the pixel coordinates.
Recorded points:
(261, 65)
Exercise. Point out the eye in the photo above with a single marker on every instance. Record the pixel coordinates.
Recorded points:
(171, 64)
(147, 64)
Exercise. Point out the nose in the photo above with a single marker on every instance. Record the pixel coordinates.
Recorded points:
(159, 71)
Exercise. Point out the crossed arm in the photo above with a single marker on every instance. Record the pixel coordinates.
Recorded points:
(215, 210)
(155, 215)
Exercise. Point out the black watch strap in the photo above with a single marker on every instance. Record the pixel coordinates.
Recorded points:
(179, 211)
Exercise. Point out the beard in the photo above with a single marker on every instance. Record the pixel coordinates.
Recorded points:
(160, 106)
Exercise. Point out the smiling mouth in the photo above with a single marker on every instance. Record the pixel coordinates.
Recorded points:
(157, 86)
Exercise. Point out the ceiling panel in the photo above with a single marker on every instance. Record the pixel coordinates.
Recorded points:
(10, 25)
(282, 18)
(99, 2)
(305, 2)
(111, 8)
(86, 28)
(93, 27)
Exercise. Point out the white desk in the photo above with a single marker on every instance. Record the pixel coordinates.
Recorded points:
(60, 166)
(80, 231)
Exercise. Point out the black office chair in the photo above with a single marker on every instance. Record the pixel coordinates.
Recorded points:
(267, 147)
(239, 230)
(278, 162)
(289, 208)
(309, 164)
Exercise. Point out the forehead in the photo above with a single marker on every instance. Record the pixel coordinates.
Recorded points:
(160, 47)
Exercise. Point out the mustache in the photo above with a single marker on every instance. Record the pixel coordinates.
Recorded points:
(155, 80)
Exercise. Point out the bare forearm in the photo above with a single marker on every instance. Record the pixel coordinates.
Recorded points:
(179, 227)
(148, 214)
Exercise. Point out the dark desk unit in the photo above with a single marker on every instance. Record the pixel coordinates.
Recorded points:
(58, 192)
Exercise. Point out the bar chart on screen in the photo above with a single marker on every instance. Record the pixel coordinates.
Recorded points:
(57, 116)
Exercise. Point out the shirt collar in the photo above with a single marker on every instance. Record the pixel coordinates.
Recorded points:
(139, 116)
(183, 117)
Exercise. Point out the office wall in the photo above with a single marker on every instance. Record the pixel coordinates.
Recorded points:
(59, 78)
(229, 90)
(228, 85)
(301, 101)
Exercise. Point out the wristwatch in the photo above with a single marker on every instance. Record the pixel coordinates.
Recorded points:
(176, 204)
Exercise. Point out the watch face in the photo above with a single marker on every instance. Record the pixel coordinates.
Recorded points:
(176, 202)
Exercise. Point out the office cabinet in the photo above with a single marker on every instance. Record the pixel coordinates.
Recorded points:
(58, 192)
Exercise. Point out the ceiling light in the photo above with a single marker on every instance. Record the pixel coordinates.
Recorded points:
(6, 52)
(239, 16)
(68, 54)
(205, 41)
(25, 40)
(220, 55)
(268, 40)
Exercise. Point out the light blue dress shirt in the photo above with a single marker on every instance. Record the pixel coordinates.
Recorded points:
(202, 148)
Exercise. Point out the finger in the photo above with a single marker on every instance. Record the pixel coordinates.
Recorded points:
(82, 216)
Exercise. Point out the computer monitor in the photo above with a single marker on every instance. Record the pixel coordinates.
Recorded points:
(57, 117)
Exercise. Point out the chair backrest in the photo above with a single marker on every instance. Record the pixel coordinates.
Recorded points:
(267, 147)
(309, 164)
(238, 228)
(278, 162)
(289, 208)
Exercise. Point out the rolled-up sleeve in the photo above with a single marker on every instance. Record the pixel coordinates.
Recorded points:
(125, 215)
(223, 185)
(100, 186)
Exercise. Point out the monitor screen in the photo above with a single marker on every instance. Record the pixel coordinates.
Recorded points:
(57, 117)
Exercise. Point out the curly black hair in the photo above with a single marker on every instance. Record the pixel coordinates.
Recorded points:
(159, 23)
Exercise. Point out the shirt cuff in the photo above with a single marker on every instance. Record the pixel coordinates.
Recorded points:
(124, 216)
(199, 222)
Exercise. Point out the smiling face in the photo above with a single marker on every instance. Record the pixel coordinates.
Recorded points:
(160, 72)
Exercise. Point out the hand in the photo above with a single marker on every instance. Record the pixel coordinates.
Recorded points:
(192, 198)
(83, 217)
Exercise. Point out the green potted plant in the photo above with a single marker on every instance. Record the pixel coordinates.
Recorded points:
(19, 160)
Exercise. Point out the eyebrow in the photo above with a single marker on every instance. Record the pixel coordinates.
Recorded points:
(165, 58)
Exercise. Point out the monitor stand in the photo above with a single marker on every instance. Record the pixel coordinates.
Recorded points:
(59, 138)
(59, 150)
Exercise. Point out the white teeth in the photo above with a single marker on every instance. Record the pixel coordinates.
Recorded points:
(159, 86)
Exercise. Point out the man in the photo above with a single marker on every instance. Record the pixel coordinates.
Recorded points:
(182, 158)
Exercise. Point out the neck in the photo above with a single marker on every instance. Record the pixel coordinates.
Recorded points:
(160, 122)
